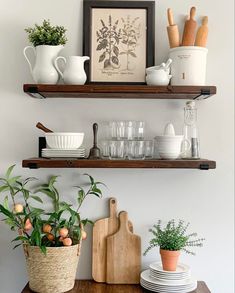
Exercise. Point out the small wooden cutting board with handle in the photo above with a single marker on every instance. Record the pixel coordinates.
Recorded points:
(123, 255)
(190, 29)
(103, 228)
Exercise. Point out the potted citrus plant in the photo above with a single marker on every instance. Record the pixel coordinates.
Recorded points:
(47, 41)
(47, 236)
(172, 239)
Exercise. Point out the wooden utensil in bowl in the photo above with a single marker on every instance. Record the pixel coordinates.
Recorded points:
(39, 125)
(190, 29)
(172, 30)
(202, 33)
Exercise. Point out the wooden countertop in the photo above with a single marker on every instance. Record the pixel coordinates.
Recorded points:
(86, 286)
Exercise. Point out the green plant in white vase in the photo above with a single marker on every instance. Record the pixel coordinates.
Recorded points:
(47, 41)
(172, 239)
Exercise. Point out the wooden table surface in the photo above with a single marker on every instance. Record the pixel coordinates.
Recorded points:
(93, 287)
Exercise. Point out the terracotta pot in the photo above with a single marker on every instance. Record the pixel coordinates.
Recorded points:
(169, 259)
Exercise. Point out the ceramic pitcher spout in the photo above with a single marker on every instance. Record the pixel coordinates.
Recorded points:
(85, 58)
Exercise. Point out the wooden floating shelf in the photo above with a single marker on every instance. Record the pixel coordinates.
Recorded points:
(42, 91)
(36, 163)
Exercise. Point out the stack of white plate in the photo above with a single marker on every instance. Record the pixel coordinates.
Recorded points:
(63, 153)
(157, 280)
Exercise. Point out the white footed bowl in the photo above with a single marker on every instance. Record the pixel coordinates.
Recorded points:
(64, 140)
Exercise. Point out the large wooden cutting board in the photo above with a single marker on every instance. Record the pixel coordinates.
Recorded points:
(103, 228)
(123, 255)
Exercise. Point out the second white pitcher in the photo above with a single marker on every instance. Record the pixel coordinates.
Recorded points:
(74, 72)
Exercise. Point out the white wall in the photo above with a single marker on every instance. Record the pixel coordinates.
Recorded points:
(205, 198)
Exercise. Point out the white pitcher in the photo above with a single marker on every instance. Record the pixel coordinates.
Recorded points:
(44, 70)
(74, 72)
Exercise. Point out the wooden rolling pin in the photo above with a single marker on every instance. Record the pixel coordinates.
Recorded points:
(42, 127)
(190, 29)
(202, 33)
(172, 30)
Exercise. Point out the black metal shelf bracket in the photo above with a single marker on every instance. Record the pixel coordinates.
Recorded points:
(33, 91)
(205, 93)
(204, 167)
(32, 165)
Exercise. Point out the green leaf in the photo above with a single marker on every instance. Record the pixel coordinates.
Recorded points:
(4, 188)
(9, 170)
(37, 198)
(91, 178)
(5, 203)
(52, 181)
(43, 249)
(22, 238)
(6, 212)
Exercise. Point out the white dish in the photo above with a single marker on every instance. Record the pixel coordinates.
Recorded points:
(150, 288)
(181, 269)
(145, 275)
(64, 140)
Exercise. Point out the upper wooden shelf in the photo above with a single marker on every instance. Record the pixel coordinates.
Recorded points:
(42, 91)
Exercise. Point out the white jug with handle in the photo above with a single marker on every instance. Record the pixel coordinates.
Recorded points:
(74, 72)
(44, 71)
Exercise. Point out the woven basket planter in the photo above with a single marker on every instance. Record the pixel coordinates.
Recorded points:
(54, 272)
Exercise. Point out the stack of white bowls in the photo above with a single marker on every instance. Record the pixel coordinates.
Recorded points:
(169, 145)
(156, 279)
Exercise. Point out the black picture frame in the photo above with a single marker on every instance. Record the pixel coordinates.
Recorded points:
(88, 5)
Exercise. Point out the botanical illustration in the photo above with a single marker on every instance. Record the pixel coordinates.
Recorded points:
(108, 38)
(118, 38)
(119, 45)
(130, 36)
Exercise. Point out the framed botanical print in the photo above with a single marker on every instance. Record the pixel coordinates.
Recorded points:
(118, 36)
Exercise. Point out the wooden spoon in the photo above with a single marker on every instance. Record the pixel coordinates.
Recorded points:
(39, 125)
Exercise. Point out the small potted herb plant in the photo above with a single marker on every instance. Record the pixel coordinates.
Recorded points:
(47, 41)
(172, 239)
(51, 239)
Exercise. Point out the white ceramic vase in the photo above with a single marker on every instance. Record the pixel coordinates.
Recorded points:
(44, 71)
(74, 72)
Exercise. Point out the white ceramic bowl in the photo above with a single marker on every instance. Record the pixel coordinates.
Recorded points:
(64, 140)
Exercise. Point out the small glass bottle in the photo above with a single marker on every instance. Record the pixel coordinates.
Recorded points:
(190, 131)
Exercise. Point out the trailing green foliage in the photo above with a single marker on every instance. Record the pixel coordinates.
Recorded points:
(173, 237)
(46, 34)
(29, 220)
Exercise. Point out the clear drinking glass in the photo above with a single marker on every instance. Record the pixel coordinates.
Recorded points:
(139, 130)
(105, 148)
(112, 133)
(130, 130)
(149, 149)
(136, 150)
(121, 130)
(117, 149)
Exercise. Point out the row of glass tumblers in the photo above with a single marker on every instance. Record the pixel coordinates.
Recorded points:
(125, 130)
(131, 149)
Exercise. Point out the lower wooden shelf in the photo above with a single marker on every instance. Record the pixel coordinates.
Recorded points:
(35, 163)
(93, 287)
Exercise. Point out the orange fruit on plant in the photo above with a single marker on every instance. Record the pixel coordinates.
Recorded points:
(63, 232)
(67, 241)
(84, 235)
(27, 226)
(46, 228)
(18, 208)
(61, 239)
(50, 237)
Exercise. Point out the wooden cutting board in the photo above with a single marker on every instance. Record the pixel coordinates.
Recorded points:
(103, 228)
(190, 29)
(123, 255)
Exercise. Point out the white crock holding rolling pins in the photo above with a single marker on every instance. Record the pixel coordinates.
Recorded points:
(74, 72)
(169, 145)
(188, 65)
(44, 71)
